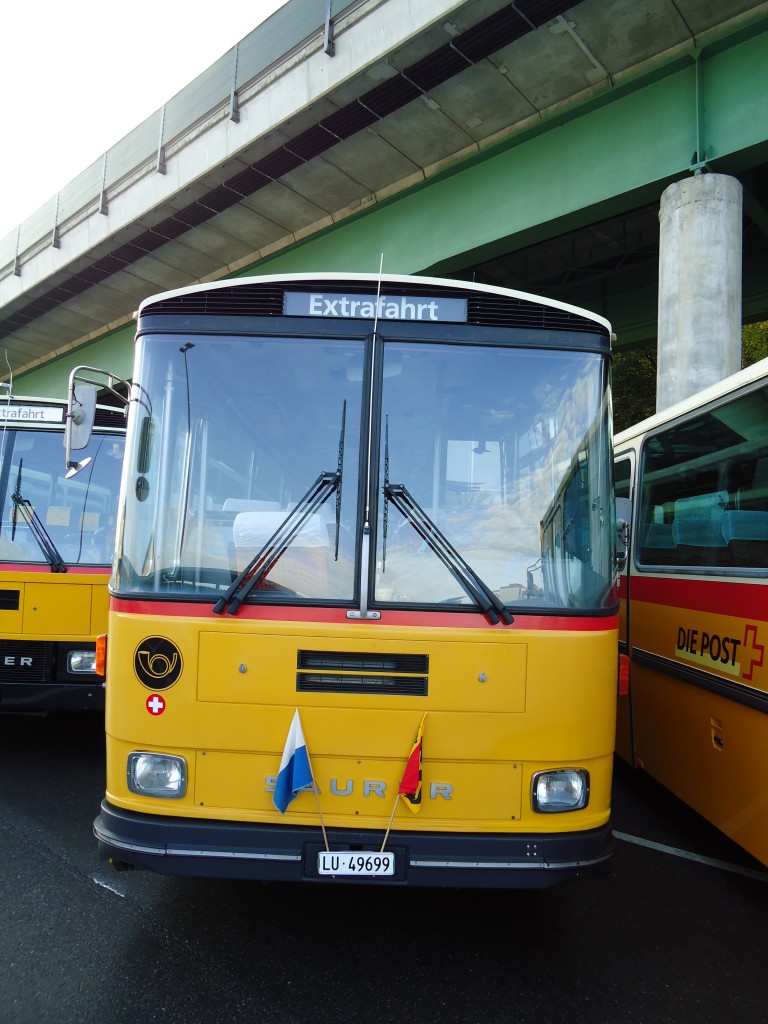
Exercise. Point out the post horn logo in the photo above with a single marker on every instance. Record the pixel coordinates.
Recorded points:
(157, 663)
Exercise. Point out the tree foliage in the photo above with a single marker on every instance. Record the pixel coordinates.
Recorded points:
(754, 343)
(634, 386)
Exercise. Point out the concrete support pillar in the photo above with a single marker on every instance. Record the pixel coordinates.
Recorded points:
(699, 285)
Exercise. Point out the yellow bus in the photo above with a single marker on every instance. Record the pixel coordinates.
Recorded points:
(694, 599)
(363, 619)
(57, 530)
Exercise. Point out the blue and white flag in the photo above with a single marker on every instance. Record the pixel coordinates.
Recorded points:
(295, 772)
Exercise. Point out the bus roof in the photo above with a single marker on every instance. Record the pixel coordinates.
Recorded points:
(742, 378)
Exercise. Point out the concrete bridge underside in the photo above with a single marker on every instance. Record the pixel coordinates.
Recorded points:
(522, 144)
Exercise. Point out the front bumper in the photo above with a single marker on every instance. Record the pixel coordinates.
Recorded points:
(40, 698)
(227, 849)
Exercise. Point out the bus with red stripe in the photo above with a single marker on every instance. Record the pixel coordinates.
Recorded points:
(359, 509)
(694, 603)
(57, 532)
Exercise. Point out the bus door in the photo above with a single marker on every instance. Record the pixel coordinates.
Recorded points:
(624, 472)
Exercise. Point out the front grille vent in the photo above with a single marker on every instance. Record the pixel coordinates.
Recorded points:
(313, 682)
(402, 675)
(26, 661)
(500, 311)
(240, 300)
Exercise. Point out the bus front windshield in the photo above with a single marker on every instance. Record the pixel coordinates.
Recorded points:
(480, 468)
(46, 514)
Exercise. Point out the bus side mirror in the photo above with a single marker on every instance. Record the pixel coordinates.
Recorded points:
(81, 410)
(81, 413)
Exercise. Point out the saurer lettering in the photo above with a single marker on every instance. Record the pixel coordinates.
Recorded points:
(371, 787)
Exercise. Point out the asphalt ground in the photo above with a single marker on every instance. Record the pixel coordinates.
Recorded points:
(676, 933)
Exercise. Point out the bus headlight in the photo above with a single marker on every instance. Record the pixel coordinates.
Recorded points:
(79, 662)
(566, 789)
(161, 775)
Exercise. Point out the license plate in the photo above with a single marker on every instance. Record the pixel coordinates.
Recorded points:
(360, 863)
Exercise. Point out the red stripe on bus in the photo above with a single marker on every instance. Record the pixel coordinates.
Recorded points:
(724, 597)
(458, 620)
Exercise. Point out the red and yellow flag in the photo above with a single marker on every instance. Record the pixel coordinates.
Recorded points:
(410, 787)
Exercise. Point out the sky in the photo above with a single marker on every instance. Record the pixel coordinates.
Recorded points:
(78, 75)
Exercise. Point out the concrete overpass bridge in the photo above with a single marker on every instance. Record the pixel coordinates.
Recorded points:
(525, 144)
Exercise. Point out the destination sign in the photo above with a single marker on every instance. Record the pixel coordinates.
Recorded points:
(330, 305)
(31, 413)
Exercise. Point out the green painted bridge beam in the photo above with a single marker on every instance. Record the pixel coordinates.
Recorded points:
(617, 151)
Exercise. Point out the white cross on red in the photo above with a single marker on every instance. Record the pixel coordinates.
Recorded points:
(155, 704)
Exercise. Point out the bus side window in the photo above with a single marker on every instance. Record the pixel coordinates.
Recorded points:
(746, 534)
(700, 540)
(657, 545)
(754, 495)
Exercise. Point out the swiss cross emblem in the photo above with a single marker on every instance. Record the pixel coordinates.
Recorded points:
(757, 650)
(155, 705)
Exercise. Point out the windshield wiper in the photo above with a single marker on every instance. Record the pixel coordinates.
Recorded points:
(24, 507)
(339, 473)
(263, 561)
(465, 575)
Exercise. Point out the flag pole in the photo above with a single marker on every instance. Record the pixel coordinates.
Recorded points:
(389, 826)
(316, 791)
(320, 815)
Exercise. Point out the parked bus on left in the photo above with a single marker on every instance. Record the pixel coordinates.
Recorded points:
(57, 532)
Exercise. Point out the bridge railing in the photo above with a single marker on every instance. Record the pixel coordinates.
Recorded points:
(207, 99)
